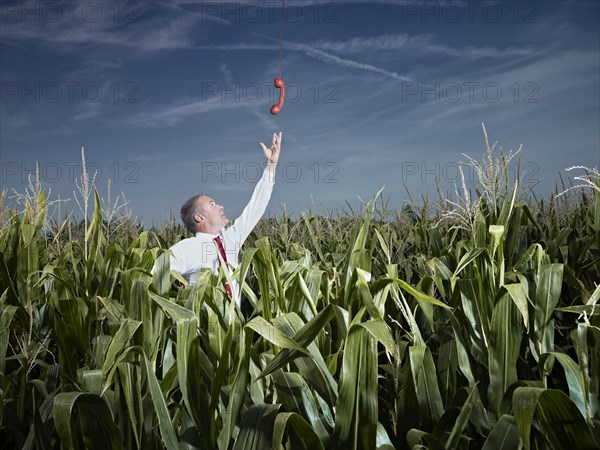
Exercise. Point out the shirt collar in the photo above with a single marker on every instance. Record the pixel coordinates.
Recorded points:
(202, 235)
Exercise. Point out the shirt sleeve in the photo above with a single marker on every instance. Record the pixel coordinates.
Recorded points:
(254, 210)
(177, 260)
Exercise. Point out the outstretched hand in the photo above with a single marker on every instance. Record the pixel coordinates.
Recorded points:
(272, 153)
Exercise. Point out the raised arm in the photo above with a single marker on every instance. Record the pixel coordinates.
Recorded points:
(254, 210)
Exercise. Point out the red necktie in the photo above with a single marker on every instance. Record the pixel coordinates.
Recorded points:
(224, 256)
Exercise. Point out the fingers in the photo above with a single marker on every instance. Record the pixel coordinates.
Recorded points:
(277, 139)
(275, 146)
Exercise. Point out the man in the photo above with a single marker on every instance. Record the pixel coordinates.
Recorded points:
(213, 244)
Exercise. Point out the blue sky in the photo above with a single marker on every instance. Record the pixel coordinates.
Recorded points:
(171, 98)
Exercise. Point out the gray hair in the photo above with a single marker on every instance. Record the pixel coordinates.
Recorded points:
(188, 210)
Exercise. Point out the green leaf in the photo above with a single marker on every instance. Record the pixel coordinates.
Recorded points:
(304, 334)
(504, 435)
(91, 380)
(546, 297)
(560, 420)
(303, 431)
(462, 420)
(173, 310)
(362, 288)
(6, 316)
(384, 246)
(84, 420)
(503, 352)
(528, 255)
(416, 439)
(130, 381)
(313, 368)
(380, 331)
(575, 379)
(518, 294)
(161, 272)
(238, 392)
(359, 257)
(420, 296)
(256, 428)
(313, 237)
(273, 335)
(167, 431)
(200, 375)
(120, 342)
(296, 396)
(186, 332)
(424, 377)
(464, 362)
(356, 408)
(467, 259)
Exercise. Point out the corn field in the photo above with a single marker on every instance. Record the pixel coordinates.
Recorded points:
(471, 326)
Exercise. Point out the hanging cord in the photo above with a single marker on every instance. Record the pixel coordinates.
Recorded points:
(278, 82)
(281, 28)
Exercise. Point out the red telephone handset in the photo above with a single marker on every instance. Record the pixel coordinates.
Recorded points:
(279, 84)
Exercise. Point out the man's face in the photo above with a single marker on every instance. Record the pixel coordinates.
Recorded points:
(212, 215)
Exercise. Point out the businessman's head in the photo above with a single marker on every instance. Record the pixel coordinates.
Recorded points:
(202, 213)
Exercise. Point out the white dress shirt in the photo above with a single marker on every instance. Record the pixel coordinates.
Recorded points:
(191, 255)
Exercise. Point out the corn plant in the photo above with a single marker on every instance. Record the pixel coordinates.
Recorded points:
(474, 326)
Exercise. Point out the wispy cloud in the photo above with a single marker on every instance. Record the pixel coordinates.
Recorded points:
(226, 73)
(420, 42)
(333, 59)
(307, 3)
(205, 12)
(165, 116)
(89, 111)
(93, 68)
(312, 52)
(159, 32)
